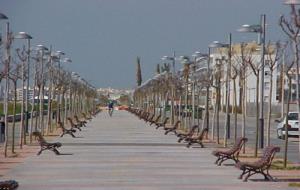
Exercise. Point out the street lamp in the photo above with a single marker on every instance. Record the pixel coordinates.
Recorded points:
(198, 56)
(261, 30)
(42, 49)
(59, 55)
(173, 59)
(5, 105)
(217, 44)
(66, 60)
(24, 35)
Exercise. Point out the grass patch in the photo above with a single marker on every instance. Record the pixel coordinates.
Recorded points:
(294, 184)
(278, 165)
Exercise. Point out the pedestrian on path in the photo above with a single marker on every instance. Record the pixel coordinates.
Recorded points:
(110, 108)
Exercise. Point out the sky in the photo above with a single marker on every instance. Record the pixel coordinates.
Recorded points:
(104, 37)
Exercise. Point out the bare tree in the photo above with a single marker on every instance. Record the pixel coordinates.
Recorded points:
(15, 75)
(23, 58)
(292, 30)
(273, 53)
(255, 67)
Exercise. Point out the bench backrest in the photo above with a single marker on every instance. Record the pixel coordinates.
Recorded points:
(268, 155)
(39, 137)
(238, 145)
(70, 121)
(176, 125)
(203, 133)
(156, 119)
(165, 121)
(193, 130)
(150, 117)
(60, 125)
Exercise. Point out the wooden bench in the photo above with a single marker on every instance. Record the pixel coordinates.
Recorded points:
(173, 128)
(230, 154)
(86, 117)
(162, 124)
(149, 118)
(155, 120)
(185, 134)
(8, 185)
(196, 138)
(73, 125)
(65, 131)
(80, 122)
(260, 166)
(45, 145)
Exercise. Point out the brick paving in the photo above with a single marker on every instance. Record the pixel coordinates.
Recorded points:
(122, 152)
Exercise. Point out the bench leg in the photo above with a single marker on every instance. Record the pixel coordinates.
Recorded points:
(249, 175)
(189, 144)
(55, 151)
(39, 152)
(242, 174)
(217, 161)
(167, 131)
(201, 144)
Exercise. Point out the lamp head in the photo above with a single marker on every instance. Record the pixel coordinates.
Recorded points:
(250, 28)
(292, 2)
(3, 16)
(22, 35)
(41, 47)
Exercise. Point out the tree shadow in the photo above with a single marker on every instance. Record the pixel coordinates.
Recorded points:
(65, 154)
(277, 180)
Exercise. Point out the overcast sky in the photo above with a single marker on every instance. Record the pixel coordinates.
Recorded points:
(104, 37)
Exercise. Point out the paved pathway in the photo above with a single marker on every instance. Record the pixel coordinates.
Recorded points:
(123, 152)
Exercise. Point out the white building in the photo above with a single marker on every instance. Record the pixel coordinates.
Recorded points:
(252, 55)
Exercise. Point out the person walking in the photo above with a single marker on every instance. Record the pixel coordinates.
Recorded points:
(110, 108)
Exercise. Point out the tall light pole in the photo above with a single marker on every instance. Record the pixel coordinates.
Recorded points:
(59, 54)
(66, 60)
(261, 30)
(24, 35)
(173, 59)
(217, 44)
(199, 56)
(42, 49)
(7, 61)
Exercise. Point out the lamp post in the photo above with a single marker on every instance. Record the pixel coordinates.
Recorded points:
(66, 60)
(173, 59)
(42, 49)
(198, 57)
(186, 62)
(24, 35)
(7, 60)
(59, 54)
(217, 44)
(261, 30)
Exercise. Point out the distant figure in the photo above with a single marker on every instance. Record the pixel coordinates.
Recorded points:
(110, 108)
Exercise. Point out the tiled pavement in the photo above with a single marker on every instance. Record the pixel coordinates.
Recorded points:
(123, 152)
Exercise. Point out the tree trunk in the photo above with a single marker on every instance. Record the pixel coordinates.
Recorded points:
(257, 115)
(270, 108)
(14, 118)
(286, 124)
(235, 108)
(244, 102)
(32, 111)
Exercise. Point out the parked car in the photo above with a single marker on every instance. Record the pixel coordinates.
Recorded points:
(293, 125)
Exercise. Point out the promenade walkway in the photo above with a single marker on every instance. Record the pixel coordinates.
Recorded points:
(122, 152)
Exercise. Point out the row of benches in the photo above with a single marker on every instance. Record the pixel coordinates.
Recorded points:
(75, 125)
(193, 136)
